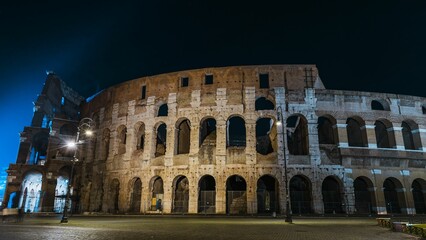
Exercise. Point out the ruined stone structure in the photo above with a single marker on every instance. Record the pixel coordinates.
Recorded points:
(210, 141)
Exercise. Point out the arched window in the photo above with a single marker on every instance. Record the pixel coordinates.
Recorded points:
(266, 135)
(263, 104)
(381, 105)
(105, 144)
(160, 146)
(411, 135)
(207, 195)
(183, 136)
(357, 136)
(140, 137)
(385, 137)
(236, 132)
(297, 135)
(327, 132)
(163, 110)
(122, 139)
(236, 188)
(208, 131)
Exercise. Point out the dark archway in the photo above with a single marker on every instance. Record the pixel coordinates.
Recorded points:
(236, 132)
(381, 105)
(266, 135)
(327, 131)
(180, 194)
(236, 197)
(411, 135)
(207, 195)
(122, 139)
(263, 104)
(39, 144)
(357, 135)
(394, 195)
(163, 110)
(419, 191)
(140, 136)
(157, 190)
(267, 195)
(385, 136)
(332, 195)
(136, 195)
(183, 136)
(365, 199)
(297, 135)
(114, 193)
(160, 146)
(300, 195)
(208, 131)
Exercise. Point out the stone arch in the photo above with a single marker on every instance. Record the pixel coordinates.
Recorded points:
(39, 144)
(236, 195)
(140, 135)
(156, 187)
(180, 194)
(419, 191)
(411, 135)
(327, 130)
(161, 137)
(105, 142)
(207, 131)
(357, 134)
(297, 135)
(301, 194)
(385, 136)
(394, 195)
(163, 110)
(30, 200)
(266, 136)
(235, 132)
(183, 136)
(332, 195)
(365, 197)
(122, 138)
(267, 194)
(135, 195)
(207, 194)
(114, 196)
(61, 190)
(263, 103)
(380, 104)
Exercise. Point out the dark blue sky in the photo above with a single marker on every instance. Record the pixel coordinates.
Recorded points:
(357, 45)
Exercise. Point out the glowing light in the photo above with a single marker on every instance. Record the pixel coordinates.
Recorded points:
(89, 132)
(71, 144)
(279, 123)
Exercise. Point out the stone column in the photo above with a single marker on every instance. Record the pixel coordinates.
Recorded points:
(399, 140)
(220, 195)
(220, 142)
(422, 132)
(371, 134)
(342, 132)
(47, 198)
(250, 141)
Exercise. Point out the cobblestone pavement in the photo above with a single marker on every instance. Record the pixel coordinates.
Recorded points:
(195, 227)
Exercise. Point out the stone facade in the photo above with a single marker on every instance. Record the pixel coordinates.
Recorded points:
(217, 140)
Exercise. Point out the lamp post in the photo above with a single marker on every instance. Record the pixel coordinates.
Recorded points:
(86, 125)
(288, 217)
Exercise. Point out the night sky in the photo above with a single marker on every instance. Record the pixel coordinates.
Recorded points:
(375, 46)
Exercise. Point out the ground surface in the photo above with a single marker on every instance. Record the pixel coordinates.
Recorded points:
(195, 227)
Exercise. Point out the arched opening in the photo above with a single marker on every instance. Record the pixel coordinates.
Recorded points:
(207, 195)
(140, 137)
(114, 192)
(31, 194)
(208, 131)
(411, 135)
(183, 136)
(419, 191)
(263, 104)
(122, 139)
(300, 195)
(385, 136)
(381, 105)
(332, 196)
(365, 200)
(236, 132)
(297, 135)
(327, 131)
(236, 197)
(266, 136)
(394, 195)
(135, 196)
(157, 190)
(61, 191)
(357, 136)
(13, 200)
(160, 146)
(163, 110)
(181, 194)
(39, 148)
(105, 145)
(267, 195)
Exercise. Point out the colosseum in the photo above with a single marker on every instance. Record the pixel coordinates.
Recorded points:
(228, 140)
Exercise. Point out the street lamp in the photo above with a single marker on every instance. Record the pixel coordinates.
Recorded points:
(86, 125)
(280, 121)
